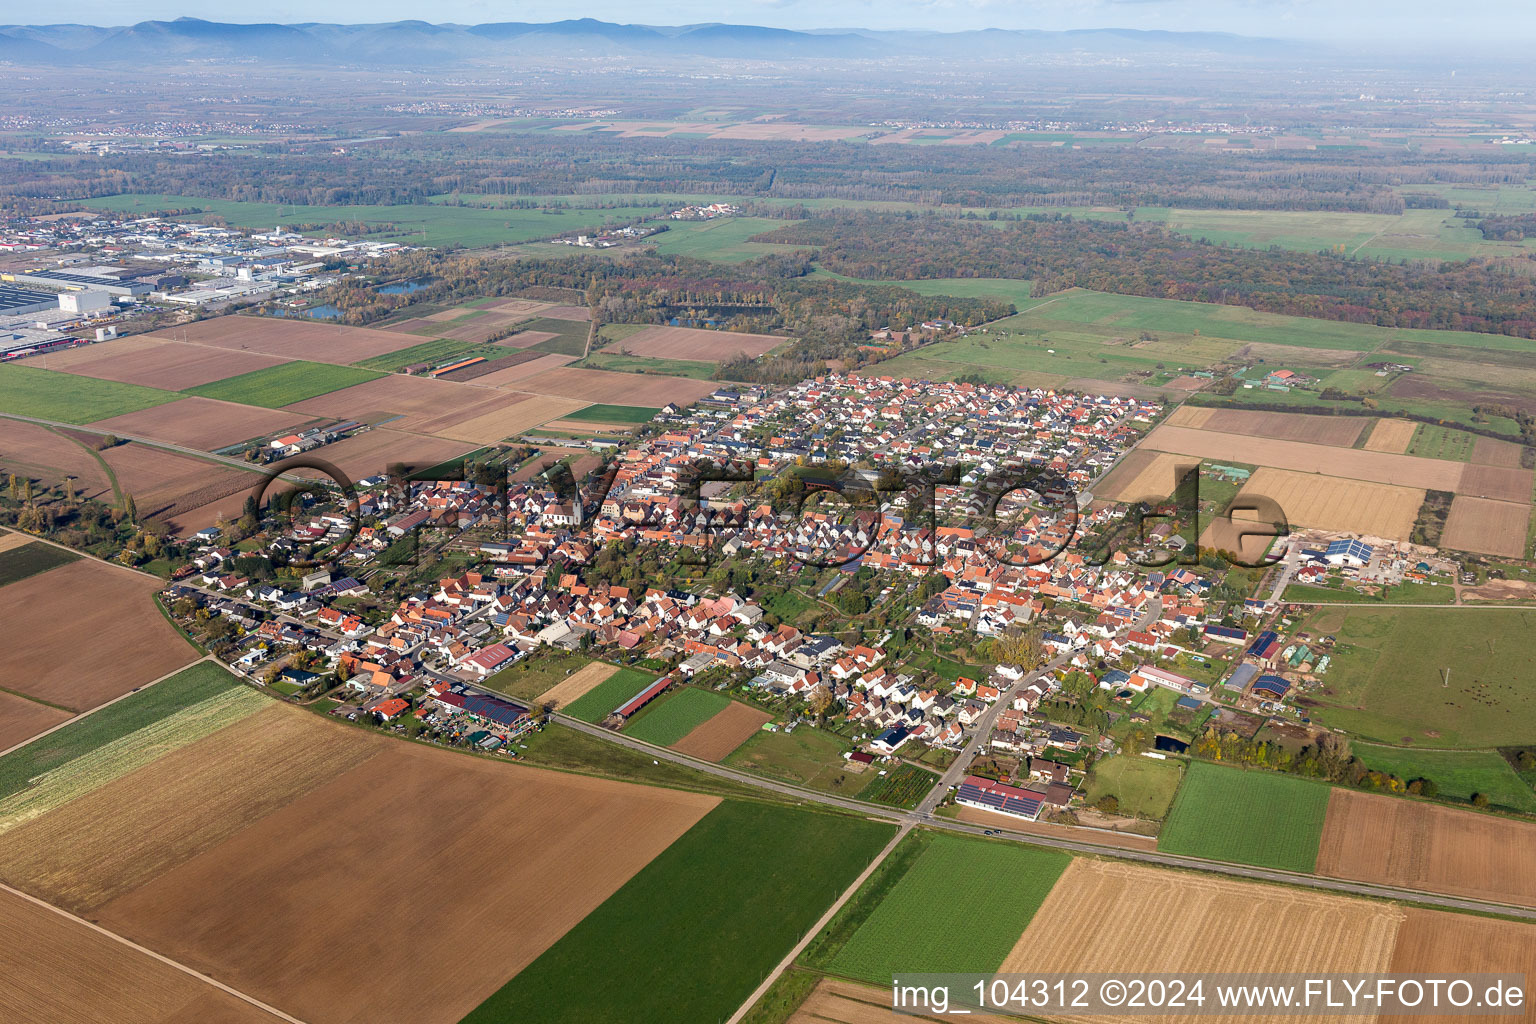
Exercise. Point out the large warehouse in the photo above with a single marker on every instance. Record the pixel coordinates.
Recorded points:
(16, 301)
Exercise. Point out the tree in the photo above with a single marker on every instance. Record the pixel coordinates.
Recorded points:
(130, 508)
(1479, 799)
(1109, 804)
(820, 702)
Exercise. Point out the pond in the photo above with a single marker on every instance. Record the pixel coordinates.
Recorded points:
(1171, 745)
(401, 288)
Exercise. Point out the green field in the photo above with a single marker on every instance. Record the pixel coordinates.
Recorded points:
(1385, 680)
(648, 364)
(1248, 817)
(434, 225)
(691, 935)
(628, 415)
(949, 904)
(675, 716)
(148, 706)
(70, 398)
(1143, 786)
(535, 675)
(1458, 773)
(276, 386)
(31, 559)
(599, 703)
(1433, 441)
(902, 785)
(806, 757)
(570, 335)
(1403, 593)
(723, 239)
(441, 350)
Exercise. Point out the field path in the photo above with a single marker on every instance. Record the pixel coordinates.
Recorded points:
(815, 929)
(183, 968)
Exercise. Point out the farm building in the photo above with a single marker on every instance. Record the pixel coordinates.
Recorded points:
(652, 690)
(1000, 799)
(1226, 634)
(1241, 677)
(1270, 687)
(1349, 552)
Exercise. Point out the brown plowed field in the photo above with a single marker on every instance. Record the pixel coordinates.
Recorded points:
(445, 408)
(84, 633)
(407, 889)
(370, 452)
(618, 388)
(293, 338)
(130, 831)
(31, 449)
(1434, 943)
(1485, 526)
(1392, 841)
(1331, 503)
(577, 684)
(1339, 431)
(1143, 475)
(1202, 924)
(526, 339)
(845, 1002)
(524, 307)
(568, 313)
(697, 345)
(202, 423)
(1391, 435)
(1347, 463)
(1123, 840)
(1490, 451)
(165, 484)
(515, 374)
(53, 969)
(21, 719)
(714, 739)
(153, 362)
(1499, 482)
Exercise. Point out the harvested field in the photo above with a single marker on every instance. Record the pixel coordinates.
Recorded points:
(1490, 451)
(293, 338)
(1499, 482)
(591, 386)
(123, 834)
(480, 831)
(697, 345)
(1331, 503)
(370, 452)
(1340, 431)
(166, 485)
(31, 449)
(1204, 924)
(1223, 533)
(9, 540)
(21, 719)
(715, 739)
(153, 362)
(491, 367)
(578, 684)
(1143, 475)
(1393, 841)
(1189, 416)
(527, 339)
(53, 969)
(512, 374)
(1439, 944)
(1347, 463)
(845, 1002)
(522, 307)
(59, 628)
(1487, 527)
(567, 313)
(464, 412)
(203, 423)
(1124, 840)
(1391, 435)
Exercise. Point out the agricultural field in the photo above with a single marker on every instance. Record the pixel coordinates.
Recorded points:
(439, 350)
(805, 757)
(1143, 787)
(369, 453)
(1246, 816)
(1386, 683)
(724, 240)
(1419, 845)
(555, 336)
(695, 345)
(167, 485)
(536, 677)
(618, 363)
(1457, 773)
(1432, 441)
(576, 685)
(603, 386)
(20, 557)
(902, 785)
(674, 716)
(600, 701)
(511, 371)
(1341, 431)
(715, 738)
(276, 386)
(447, 409)
(1143, 474)
(1432, 942)
(1486, 526)
(67, 398)
(1334, 503)
(59, 628)
(1204, 924)
(695, 936)
(624, 415)
(1392, 435)
(202, 423)
(933, 889)
(50, 454)
(153, 360)
(193, 685)
(293, 338)
(21, 719)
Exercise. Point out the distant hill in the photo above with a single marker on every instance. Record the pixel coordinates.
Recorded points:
(419, 43)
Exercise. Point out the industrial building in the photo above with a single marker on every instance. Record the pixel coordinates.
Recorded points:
(17, 301)
(75, 281)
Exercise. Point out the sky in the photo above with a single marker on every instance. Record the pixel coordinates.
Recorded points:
(1425, 22)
